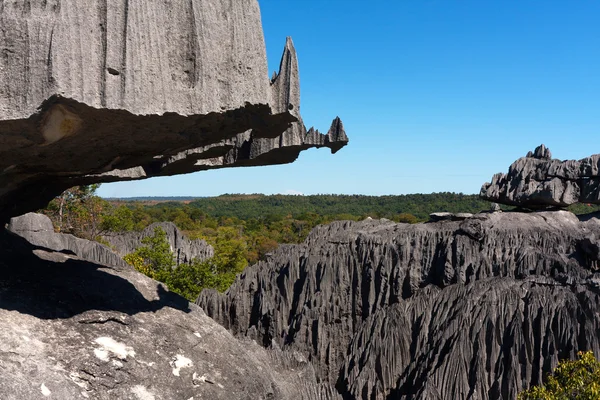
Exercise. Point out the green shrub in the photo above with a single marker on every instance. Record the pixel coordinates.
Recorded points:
(571, 380)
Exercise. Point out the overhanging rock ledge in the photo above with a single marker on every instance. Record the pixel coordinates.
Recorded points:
(111, 91)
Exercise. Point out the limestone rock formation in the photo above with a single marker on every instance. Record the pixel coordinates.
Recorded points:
(184, 249)
(538, 181)
(472, 309)
(38, 230)
(73, 329)
(102, 91)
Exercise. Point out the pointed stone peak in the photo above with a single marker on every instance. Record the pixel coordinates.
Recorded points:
(336, 135)
(285, 86)
(541, 152)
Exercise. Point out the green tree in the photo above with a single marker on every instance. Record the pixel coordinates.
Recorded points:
(119, 219)
(571, 380)
(78, 211)
(154, 258)
(188, 280)
(230, 251)
(406, 217)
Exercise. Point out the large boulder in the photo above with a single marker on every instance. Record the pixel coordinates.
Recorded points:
(101, 91)
(474, 309)
(73, 329)
(539, 181)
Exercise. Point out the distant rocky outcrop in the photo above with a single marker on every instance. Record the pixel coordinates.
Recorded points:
(472, 309)
(184, 249)
(537, 181)
(107, 91)
(73, 329)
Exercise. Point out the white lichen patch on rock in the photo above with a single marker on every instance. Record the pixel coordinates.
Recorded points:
(142, 393)
(180, 362)
(45, 391)
(101, 354)
(111, 346)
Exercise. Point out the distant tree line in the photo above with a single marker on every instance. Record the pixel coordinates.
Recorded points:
(242, 228)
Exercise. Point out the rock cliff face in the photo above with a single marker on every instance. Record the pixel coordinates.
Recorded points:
(184, 249)
(479, 308)
(538, 181)
(100, 91)
(73, 329)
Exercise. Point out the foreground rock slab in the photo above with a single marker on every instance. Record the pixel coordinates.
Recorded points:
(472, 309)
(538, 181)
(101, 91)
(72, 329)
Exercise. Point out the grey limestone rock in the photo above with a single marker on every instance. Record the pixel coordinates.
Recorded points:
(537, 181)
(184, 249)
(472, 309)
(73, 329)
(37, 229)
(102, 91)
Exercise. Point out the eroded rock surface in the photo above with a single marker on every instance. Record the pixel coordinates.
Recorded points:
(101, 91)
(473, 309)
(38, 230)
(539, 181)
(72, 329)
(184, 249)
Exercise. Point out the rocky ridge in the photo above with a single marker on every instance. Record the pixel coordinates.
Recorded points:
(538, 181)
(107, 91)
(478, 309)
(184, 249)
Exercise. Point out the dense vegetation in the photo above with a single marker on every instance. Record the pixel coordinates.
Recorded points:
(155, 259)
(571, 380)
(241, 228)
(259, 206)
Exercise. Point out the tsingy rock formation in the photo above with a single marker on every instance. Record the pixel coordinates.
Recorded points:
(539, 181)
(73, 329)
(101, 91)
(472, 309)
(184, 249)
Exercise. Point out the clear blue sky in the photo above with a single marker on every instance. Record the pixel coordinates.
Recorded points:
(435, 95)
